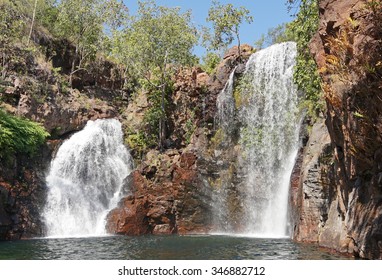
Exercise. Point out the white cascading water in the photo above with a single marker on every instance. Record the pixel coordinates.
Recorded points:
(226, 104)
(269, 138)
(85, 180)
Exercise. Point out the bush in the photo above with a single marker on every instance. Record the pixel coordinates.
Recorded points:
(18, 135)
(210, 62)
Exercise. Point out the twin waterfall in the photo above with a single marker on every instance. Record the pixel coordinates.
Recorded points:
(85, 180)
(266, 108)
(86, 175)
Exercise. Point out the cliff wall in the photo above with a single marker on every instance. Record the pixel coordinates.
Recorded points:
(342, 210)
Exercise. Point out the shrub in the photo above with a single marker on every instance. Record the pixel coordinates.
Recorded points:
(18, 135)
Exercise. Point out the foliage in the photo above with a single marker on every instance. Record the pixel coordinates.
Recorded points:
(189, 127)
(137, 142)
(210, 61)
(157, 42)
(275, 35)
(306, 74)
(226, 20)
(243, 90)
(46, 14)
(18, 135)
(11, 22)
(158, 109)
(11, 26)
(17, 16)
(157, 37)
(83, 23)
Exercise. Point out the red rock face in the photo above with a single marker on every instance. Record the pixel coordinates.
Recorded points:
(167, 192)
(164, 199)
(348, 52)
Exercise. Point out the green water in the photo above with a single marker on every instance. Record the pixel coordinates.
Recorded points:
(162, 248)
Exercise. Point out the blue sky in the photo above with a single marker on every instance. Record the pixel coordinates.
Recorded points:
(267, 14)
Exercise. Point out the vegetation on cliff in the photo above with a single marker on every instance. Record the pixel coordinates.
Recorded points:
(301, 30)
(156, 43)
(306, 71)
(18, 135)
(226, 20)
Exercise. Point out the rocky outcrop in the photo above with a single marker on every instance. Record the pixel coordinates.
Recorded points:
(170, 192)
(309, 190)
(225, 67)
(63, 113)
(165, 196)
(348, 51)
(33, 85)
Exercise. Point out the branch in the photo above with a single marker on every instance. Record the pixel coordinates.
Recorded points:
(79, 69)
(144, 76)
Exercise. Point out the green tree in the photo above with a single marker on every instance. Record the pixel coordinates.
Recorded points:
(210, 61)
(226, 21)
(33, 19)
(46, 13)
(83, 22)
(158, 41)
(306, 75)
(275, 35)
(11, 25)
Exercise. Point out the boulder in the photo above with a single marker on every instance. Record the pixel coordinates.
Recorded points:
(165, 198)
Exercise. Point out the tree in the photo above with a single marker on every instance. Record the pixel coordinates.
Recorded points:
(157, 42)
(47, 13)
(83, 22)
(276, 35)
(33, 18)
(306, 76)
(226, 20)
(12, 24)
(210, 61)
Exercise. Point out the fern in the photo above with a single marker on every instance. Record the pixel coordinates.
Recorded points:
(18, 135)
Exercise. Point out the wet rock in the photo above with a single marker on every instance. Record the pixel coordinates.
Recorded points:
(308, 195)
(5, 220)
(224, 69)
(164, 229)
(174, 199)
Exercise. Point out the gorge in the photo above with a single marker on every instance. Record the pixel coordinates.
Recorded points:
(242, 164)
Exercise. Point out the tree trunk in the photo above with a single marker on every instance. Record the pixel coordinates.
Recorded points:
(162, 122)
(3, 65)
(72, 71)
(33, 18)
(238, 44)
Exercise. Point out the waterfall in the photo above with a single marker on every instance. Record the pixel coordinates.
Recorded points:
(226, 104)
(85, 180)
(268, 116)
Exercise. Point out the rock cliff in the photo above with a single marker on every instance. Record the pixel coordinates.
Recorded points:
(170, 192)
(339, 201)
(166, 193)
(31, 88)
